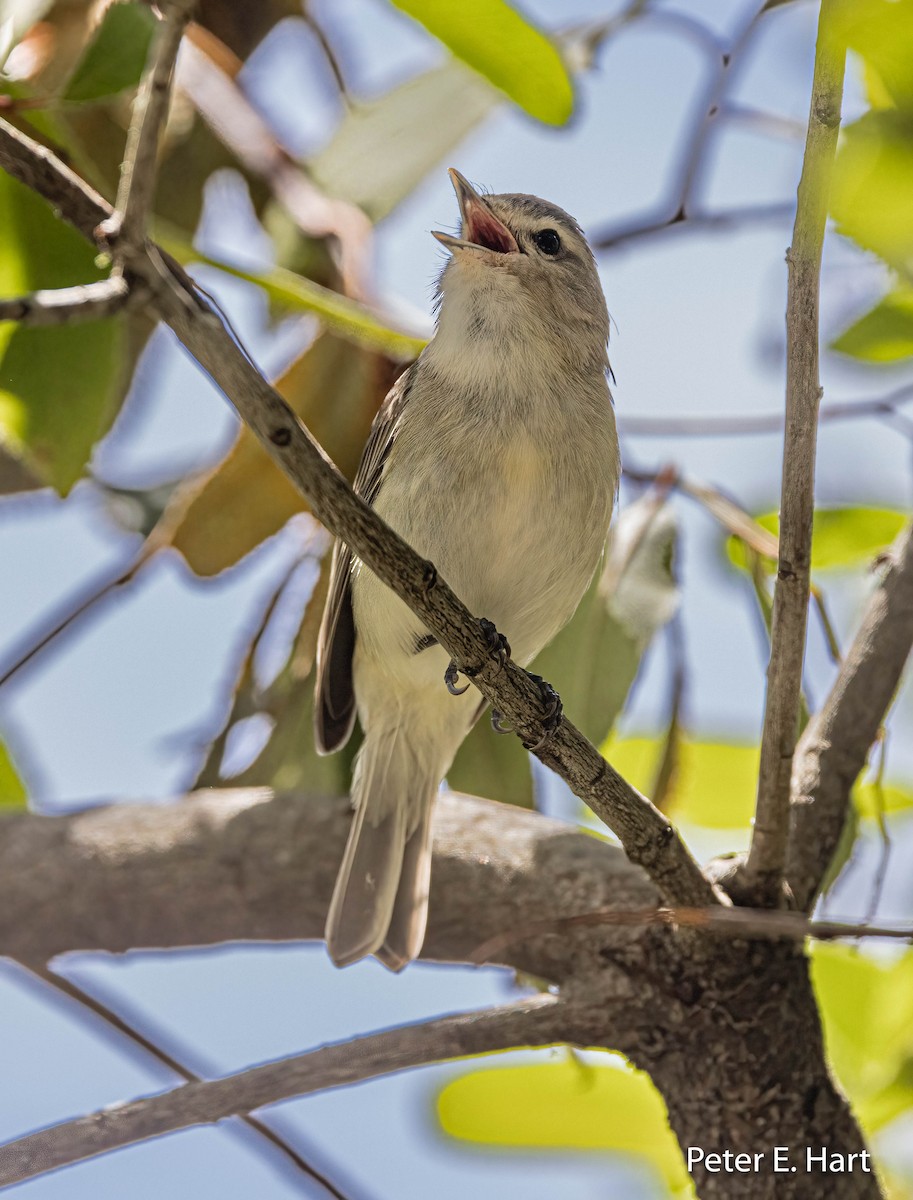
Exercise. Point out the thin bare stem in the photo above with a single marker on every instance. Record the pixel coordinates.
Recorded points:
(126, 229)
(767, 855)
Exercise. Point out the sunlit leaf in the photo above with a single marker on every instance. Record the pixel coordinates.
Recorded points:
(881, 33)
(336, 388)
(12, 790)
(352, 321)
(715, 783)
(872, 189)
(870, 800)
(383, 150)
(493, 39)
(566, 1105)
(842, 537)
(59, 387)
(116, 55)
(883, 335)
(867, 1011)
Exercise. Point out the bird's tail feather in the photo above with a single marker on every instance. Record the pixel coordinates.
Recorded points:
(381, 892)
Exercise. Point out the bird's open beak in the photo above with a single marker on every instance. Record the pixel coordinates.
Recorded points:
(482, 230)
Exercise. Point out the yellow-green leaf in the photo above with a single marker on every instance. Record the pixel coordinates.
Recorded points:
(59, 387)
(881, 33)
(566, 1105)
(715, 783)
(492, 38)
(12, 789)
(883, 335)
(872, 189)
(842, 537)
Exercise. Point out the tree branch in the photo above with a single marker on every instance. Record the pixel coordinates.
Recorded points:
(836, 742)
(247, 865)
(648, 837)
(63, 306)
(534, 1022)
(767, 855)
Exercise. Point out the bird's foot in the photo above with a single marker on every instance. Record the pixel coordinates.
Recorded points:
(552, 711)
(497, 644)
(496, 719)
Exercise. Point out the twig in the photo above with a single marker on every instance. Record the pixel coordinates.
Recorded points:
(835, 743)
(620, 234)
(114, 1020)
(648, 837)
(738, 425)
(533, 1022)
(734, 922)
(62, 306)
(125, 230)
(767, 855)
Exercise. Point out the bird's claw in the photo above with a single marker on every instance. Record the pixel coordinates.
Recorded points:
(497, 642)
(451, 675)
(552, 711)
(496, 719)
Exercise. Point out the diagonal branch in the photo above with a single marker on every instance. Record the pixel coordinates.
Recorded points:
(648, 837)
(835, 744)
(535, 1022)
(63, 306)
(767, 856)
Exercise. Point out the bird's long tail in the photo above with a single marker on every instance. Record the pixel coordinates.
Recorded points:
(380, 902)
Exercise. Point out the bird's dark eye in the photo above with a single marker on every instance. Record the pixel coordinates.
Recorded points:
(548, 241)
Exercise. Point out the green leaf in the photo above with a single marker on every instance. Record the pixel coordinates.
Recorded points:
(493, 39)
(881, 32)
(566, 1105)
(116, 56)
(872, 189)
(883, 335)
(870, 800)
(348, 318)
(842, 537)
(59, 387)
(867, 1012)
(383, 150)
(12, 790)
(715, 783)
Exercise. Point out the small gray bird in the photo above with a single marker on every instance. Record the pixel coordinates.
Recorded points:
(495, 456)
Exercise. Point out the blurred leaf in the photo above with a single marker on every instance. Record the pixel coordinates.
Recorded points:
(349, 319)
(842, 537)
(493, 39)
(60, 387)
(336, 389)
(872, 189)
(867, 1012)
(881, 32)
(12, 789)
(383, 150)
(883, 335)
(869, 800)
(715, 783)
(566, 1105)
(116, 56)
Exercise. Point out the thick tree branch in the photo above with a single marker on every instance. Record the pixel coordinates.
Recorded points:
(63, 306)
(648, 837)
(535, 1022)
(247, 865)
(767, 856)
(835, 744)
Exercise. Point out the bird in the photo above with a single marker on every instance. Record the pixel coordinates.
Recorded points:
(495, 455)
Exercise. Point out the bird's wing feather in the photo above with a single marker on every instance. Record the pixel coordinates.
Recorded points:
(334, 704)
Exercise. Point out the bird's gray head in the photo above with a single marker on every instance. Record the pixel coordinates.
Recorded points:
(521, 273)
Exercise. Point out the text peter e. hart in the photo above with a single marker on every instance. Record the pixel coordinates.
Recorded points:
(779, 1159)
